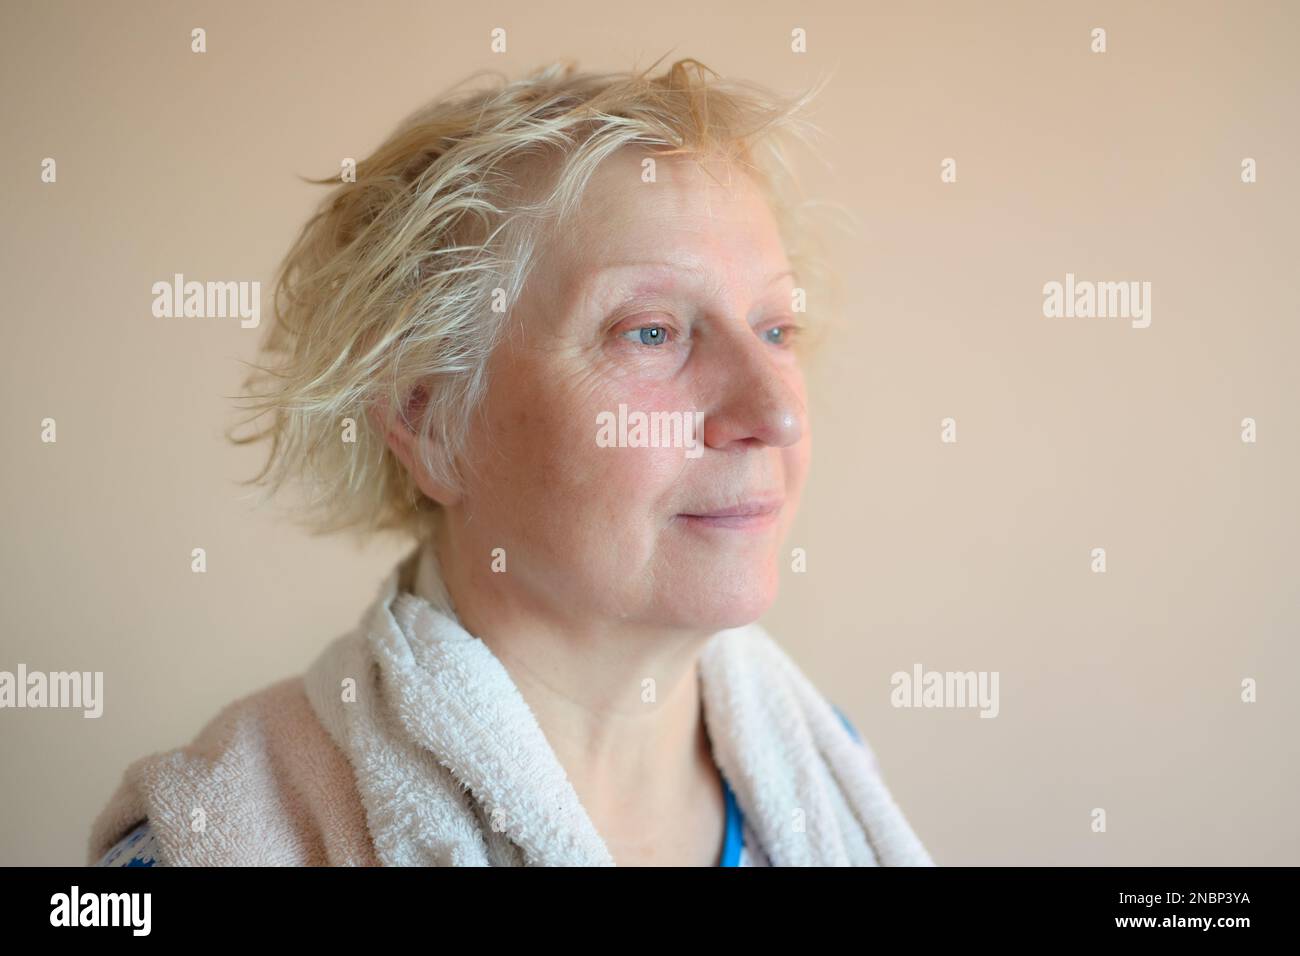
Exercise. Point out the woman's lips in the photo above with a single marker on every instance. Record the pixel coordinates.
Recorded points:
(750, 516)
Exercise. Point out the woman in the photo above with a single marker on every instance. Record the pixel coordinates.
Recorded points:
(553, 333)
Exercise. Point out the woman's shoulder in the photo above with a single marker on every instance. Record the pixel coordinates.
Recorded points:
(137, 848)
(265, 755)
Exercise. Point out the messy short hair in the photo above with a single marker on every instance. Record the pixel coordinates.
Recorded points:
(388, 291)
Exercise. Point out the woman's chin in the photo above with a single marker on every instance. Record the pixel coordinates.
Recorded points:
(714, 603)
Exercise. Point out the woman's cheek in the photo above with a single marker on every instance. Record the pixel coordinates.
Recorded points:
(628, 458)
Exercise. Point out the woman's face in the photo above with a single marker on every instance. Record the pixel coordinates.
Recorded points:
(665, 297)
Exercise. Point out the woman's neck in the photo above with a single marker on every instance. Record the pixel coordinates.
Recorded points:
(621, 708)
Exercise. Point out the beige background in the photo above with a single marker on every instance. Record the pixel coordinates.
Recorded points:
(1118, 691)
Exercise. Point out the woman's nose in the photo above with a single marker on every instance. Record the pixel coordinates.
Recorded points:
(754, 398)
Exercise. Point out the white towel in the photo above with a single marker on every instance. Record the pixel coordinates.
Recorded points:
(454, 770)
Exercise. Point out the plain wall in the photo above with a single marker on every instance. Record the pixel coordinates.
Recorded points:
(1119, 690)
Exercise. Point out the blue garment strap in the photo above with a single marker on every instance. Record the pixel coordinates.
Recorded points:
(137, 848)
(847, 726)
(735, 838)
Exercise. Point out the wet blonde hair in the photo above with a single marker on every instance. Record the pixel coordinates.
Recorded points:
(387, 293)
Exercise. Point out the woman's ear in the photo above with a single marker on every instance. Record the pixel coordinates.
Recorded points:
(403, 441)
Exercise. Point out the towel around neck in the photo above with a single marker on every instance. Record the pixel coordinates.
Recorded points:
(454, 769)
(406, 743)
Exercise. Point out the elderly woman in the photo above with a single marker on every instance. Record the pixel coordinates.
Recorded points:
(553, 333)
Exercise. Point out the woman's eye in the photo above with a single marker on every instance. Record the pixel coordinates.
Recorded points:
(651, 335)
(780, 334)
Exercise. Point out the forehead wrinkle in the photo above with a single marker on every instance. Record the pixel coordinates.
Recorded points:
(610, 241)
(630, 278)
(602, 286)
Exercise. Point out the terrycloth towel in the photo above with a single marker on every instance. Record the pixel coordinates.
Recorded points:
(262, 784)
(452, 768)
